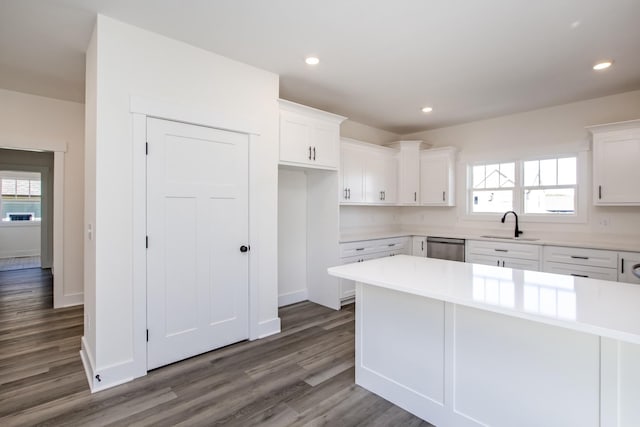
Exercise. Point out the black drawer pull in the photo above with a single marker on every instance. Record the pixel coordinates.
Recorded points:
(359, 249)
(501, 250)
(579, 257)
(579, 275)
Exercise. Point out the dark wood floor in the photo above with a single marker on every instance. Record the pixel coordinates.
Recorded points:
(303, 376)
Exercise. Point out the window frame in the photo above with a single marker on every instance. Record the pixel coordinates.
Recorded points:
(580, 194)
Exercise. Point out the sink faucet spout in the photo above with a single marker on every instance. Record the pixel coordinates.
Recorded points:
(517, 231)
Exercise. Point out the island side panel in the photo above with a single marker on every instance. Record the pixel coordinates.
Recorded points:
(510, 371)
(400, 349)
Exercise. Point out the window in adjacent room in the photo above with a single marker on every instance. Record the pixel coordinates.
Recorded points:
(21, 196)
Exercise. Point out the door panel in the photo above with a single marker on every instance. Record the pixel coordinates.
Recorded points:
(197, 219)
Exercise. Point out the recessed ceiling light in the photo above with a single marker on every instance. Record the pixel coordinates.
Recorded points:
(312, 60)
(427, 109)
(602, 65)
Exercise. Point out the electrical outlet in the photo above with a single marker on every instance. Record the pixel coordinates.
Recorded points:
(604, 222)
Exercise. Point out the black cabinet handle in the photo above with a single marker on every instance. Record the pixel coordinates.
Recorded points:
(415, 196)
(579, 275)
(359, 249)
(244, 248)
(579, 257)
(309, 152)
(314, 153)
(349, 193)
(443, 193)
(501, 250)
(621, 265)
(503, 263)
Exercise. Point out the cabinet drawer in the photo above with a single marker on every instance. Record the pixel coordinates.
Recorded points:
(601, 273)
(394, 244)
(365, 247)
(504, 250)
(358, 248)
(580, 256)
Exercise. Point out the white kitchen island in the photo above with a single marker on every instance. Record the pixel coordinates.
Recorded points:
(462, 344)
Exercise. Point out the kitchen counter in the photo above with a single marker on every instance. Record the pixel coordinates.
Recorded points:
(576, 240)
(466, 344)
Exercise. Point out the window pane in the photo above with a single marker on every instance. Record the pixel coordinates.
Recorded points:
(492, 201)
(493, 176)
(548, 175)
(532, 173)
(556, 201)
(507, 175)
(567, 171)
(8, 186)
(35, 188)
(22, 187)
(478, 176)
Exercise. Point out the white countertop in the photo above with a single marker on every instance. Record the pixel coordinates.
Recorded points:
(581, 240)
(600, 307)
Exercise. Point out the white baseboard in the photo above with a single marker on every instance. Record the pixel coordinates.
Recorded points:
(109, 376)
(269, 327)
(292, 297)
(69, 300)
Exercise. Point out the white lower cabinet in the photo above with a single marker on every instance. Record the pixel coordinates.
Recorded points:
(419, 246)
(580, 262)
(365, 250)
(629, 267)
(508, 255)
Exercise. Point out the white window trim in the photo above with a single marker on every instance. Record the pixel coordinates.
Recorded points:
(582, 185)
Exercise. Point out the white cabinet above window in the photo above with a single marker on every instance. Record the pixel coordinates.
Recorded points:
(616, 163)
(309, 137)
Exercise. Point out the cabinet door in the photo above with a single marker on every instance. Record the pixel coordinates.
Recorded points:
(419, 246)
(325, 144)
(629, 267)
(295, 138)
(483, 259)
(409, 176)
(374, 177)
(581, 271)
(390, 180)
(616, 167)
(520, 264)
(352, 172)
(436, 178)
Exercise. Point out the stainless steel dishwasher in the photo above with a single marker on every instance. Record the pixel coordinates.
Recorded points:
(445, 248)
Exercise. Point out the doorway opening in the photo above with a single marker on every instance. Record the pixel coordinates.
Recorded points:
(20, 220)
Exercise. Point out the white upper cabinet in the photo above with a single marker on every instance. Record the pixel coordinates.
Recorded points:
(309, 137)
(408, 171)
(352, 173)
(437, 177)
(616, 163)
(368, 173)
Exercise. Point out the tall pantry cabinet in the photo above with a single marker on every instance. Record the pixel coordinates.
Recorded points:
(308, 209)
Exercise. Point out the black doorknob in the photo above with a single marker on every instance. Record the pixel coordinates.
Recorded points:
(244, 248)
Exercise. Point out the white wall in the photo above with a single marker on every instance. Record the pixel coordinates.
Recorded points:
(538, 131)
(292, 236)
(127, 61)
(19, 239)
(361, 132)
(35, 122)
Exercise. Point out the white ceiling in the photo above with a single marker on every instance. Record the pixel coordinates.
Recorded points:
(381, 60)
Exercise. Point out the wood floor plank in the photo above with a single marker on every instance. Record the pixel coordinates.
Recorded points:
(302, 376)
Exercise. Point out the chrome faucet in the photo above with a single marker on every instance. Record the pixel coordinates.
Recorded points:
(517, 231)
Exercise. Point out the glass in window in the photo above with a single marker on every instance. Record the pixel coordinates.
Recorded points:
(549, 201)
(532, 173)
(548, 172)
(492, 201)
(567, 171)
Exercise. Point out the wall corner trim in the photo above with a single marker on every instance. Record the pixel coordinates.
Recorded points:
(269, 327)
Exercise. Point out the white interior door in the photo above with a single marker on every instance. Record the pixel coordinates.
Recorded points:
(197, 221)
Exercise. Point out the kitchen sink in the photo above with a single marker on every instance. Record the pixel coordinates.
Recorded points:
(523, 239)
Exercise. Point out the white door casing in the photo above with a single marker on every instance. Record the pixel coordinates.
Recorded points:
(197, 220)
